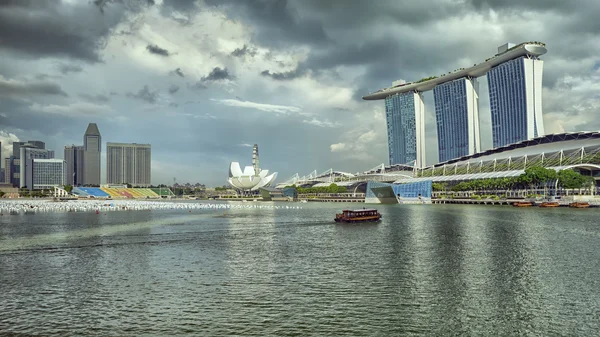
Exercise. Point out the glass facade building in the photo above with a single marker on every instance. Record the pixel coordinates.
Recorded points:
(515, 89)
(74, 159)
(406, 128)
(457, 118)
(418, 192)
(48, 173)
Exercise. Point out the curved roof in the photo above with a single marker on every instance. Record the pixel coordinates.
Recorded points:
(548, 143)
(527, 48)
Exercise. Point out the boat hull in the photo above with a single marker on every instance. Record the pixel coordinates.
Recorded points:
(357, 220)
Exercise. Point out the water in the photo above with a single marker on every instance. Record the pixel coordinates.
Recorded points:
(424, 270)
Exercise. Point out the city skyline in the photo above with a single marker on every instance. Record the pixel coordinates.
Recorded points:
(201, 81)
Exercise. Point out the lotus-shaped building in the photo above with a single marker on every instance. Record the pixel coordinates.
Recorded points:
(253, 177)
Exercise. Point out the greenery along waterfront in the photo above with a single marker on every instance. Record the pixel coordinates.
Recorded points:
(532, 177)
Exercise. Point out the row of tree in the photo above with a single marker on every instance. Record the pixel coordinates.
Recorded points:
(332, 188)
(534, 176)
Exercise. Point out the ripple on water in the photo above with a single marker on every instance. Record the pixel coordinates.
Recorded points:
(422, 271)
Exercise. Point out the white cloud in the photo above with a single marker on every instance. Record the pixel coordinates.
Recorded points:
(77, 109)
(283, 109)
(339, 147)
(7, 139)
(322, 123)
(245, 145)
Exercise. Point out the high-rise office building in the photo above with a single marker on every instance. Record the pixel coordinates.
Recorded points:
(92, 147)
(515, 90)
(457, 117)
(74, 161)
(405, 116)
(128, 163)
(13, 164)
(27, 154)
(48, 173)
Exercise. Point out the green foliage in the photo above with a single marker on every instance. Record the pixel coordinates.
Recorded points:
(1, 194)
(332, 188)
(571, 179)
(438, 186)
(537, 175)
(68, 188)
(485, 184)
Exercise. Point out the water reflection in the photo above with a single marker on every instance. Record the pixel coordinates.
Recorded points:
(438, 270)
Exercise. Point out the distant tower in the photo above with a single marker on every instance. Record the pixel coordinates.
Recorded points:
(255, 159)
(92, 147)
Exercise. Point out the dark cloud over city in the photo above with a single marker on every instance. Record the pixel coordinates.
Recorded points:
(197, 79)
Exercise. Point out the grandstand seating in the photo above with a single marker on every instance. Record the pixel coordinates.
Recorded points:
(162, 191)
(130, 193)
(90, 192)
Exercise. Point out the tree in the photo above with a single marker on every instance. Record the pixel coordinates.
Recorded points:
(68, 188)
(570, 179)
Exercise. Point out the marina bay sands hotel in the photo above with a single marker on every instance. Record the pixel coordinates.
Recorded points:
(515, 90)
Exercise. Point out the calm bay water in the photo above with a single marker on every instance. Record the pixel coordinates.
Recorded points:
(424, 270)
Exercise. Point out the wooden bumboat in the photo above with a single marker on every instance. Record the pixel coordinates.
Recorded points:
(359, 215)
(522, 204)
(579, 205)
(550, 204)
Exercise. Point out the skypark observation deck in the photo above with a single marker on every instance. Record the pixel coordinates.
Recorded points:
(530, 49)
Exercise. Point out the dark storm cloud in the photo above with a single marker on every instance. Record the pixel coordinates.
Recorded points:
(245, 50)
(99, 98)
(265, 15)
(173, 89)
(154, 49)
(218, 74)
(282, 76)
(177, 72)
(15, 89)
(52, 28)
(69, 68)
(144, 94)
(197, 86)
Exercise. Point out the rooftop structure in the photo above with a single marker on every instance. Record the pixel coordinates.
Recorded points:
(579, 150)
(524, 49)
(515, 77)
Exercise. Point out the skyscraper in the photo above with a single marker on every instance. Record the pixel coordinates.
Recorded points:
(515, 86)
(26, 157)
(74, 161)
(92, 147)
(406, 128)
(128, 163)
(516, 100)
(13, 163)
(457, 117)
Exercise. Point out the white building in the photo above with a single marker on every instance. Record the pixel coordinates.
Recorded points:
(128, 164)
(27, 155)
(49, 173)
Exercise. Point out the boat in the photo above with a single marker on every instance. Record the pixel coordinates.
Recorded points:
(522, 204)
(359, 215)
(579, 205)
(550, 204)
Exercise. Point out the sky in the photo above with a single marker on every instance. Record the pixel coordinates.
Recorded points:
(202, 81)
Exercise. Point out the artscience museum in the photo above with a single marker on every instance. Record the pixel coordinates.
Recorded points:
(252, 177)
